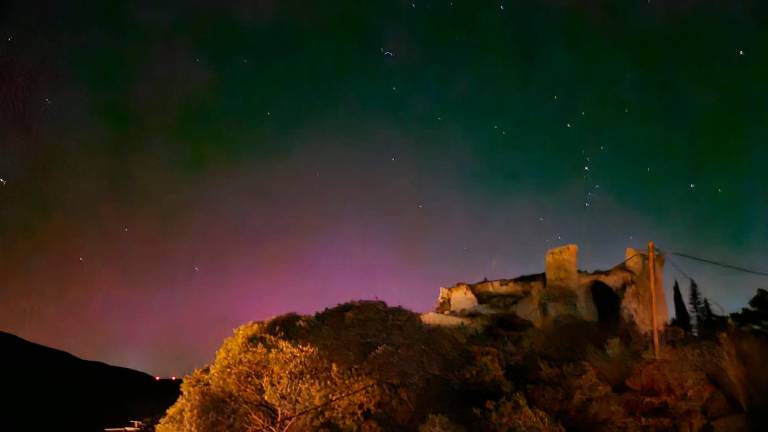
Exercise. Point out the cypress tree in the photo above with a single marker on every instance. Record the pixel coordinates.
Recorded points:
(706, 311)
(694, 300)
(711, 323)
(682, 318)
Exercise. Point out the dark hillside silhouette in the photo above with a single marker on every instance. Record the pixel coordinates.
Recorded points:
(47, 389)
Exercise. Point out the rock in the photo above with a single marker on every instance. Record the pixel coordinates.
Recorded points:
(443, 320)
(459, 298)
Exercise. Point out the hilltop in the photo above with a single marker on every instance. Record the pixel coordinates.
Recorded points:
(561, 350)
(367, 366)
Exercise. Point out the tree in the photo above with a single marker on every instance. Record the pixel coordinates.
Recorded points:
(682, 318)
(755, 317)
(359, 363)
(710, 323)
(261, 382)
(760, 301)
(694, 300)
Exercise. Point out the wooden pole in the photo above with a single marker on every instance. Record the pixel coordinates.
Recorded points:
(652, 284)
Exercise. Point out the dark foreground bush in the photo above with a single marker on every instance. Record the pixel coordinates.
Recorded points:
(359, 366)
(366, 367)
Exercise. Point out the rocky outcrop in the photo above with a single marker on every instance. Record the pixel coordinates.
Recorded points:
(562, 290)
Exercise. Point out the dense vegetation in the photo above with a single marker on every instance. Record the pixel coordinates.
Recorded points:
(364, 366)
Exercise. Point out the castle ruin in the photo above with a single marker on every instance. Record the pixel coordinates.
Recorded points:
(623, 292)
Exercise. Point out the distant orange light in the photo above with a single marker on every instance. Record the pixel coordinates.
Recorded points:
(173, 378)
(157, 378)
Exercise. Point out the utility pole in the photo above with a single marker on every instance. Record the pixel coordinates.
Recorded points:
(652, 284)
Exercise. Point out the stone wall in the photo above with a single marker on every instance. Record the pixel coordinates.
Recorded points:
(561, 267)
(636, 302)
(561, 290)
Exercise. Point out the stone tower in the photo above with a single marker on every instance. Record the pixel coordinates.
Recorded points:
(637, 299)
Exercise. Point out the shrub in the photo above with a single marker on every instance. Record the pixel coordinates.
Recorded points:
(439, 423)
(740, 372)
(354, 365)
(260, 382)
(514, 415)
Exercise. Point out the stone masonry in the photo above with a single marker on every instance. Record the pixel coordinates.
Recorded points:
(560, 291)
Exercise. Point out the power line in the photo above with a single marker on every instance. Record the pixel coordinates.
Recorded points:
(719, 264)
(626, 260)
(677, 267)
(685, 275)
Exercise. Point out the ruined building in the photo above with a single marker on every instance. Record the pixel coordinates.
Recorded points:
(563, 289)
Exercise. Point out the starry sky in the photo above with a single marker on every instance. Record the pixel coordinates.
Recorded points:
(170, 170)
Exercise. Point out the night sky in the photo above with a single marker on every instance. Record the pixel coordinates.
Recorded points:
(171, 171)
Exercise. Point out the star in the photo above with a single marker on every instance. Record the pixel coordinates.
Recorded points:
(568, 125)
(420, 206)
(741, 52)
(2, 181)
(197, 269)
(693, 186)
(80, 259)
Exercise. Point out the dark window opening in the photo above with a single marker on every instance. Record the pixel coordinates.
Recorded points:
(607, 303)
